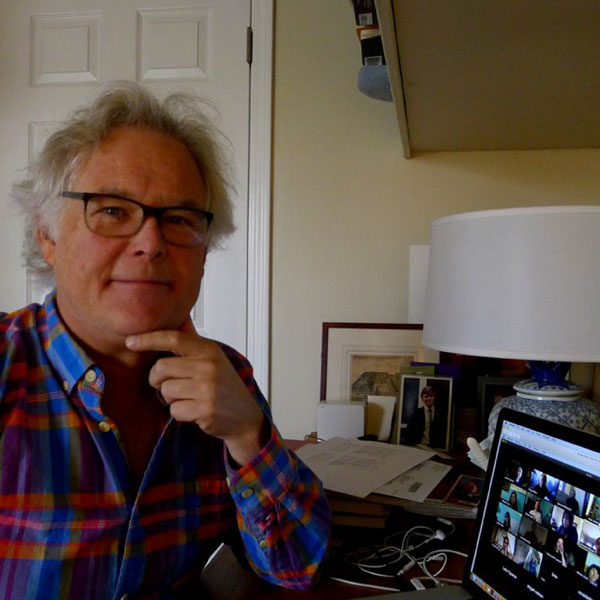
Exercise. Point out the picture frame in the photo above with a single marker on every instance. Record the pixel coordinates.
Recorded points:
(417, 394)
(350, 349)
(490, 390)
(466, 491)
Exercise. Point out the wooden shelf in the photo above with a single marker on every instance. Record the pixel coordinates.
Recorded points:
(472, 75)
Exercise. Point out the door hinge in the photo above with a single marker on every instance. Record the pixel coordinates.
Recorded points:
(249, 45)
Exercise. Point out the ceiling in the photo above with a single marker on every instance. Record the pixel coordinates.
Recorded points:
(493, 74)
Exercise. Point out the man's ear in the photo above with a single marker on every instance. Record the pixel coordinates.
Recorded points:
(47, 245)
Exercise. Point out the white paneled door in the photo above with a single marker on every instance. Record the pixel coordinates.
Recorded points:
(54, 55)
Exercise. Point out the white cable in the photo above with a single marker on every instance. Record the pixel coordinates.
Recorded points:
(423, 564)
(407, 534)
(390, 554)
(433, 556)
(384, 556)
(369, 572)
(412, 561)
(391, 551)
(430, 535)
(356, 557)
(446, 551)
(449, 523)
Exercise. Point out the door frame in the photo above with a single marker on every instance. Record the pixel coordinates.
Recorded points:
(259, 192)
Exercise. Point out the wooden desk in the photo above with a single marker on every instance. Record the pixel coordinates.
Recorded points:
(225, 579)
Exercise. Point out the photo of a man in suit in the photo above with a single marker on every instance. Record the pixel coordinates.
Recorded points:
(429, 423)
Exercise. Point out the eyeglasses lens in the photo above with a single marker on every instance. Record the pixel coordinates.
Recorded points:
(118, 217)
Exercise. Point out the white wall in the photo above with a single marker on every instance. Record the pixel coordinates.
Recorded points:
(347, 205)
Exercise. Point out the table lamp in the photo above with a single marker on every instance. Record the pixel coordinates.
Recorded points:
(521, 283)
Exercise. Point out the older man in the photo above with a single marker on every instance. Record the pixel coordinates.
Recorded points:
(131, 447)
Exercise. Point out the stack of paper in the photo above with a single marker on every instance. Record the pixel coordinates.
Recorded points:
(358, 467)
(364, 479)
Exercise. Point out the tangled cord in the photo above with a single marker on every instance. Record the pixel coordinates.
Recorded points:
(374, 559)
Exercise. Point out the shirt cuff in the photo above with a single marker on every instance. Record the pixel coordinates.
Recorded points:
(266, 479)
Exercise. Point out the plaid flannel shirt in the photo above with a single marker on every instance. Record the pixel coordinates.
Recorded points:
(72, 525)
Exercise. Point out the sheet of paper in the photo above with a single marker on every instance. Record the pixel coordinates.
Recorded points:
(417, 483)
(358, 467)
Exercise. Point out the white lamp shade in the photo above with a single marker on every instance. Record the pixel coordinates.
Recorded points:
(516, 283)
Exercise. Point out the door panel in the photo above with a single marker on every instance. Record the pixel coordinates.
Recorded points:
(55, 55)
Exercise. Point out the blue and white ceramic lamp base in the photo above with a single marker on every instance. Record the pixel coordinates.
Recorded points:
(552, 403)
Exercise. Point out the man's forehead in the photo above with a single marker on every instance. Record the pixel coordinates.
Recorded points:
(139, 144)
(145, 165)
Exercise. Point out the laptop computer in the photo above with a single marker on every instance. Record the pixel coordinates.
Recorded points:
(537, 533)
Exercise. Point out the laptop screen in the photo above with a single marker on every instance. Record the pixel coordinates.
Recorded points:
(538, 529)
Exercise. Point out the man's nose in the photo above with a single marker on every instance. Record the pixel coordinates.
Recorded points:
(149, 239)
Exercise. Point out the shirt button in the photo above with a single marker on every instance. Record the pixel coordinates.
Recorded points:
(90, 376)
(247, 493)
(263, 544)
(65, 385)
(103, 426)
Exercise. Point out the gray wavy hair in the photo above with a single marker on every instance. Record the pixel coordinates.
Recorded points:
(66, 151)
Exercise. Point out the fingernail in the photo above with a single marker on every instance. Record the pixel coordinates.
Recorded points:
(132, 341)
(161, 398)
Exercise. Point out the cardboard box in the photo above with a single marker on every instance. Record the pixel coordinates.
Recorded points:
(371, 47)
(365, 13)
(337, 419)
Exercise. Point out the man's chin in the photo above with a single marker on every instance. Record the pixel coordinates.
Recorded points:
(137, 325)
(147, 328)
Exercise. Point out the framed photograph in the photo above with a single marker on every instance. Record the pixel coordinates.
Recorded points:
(362, 359)
(465, 491)
(425, 411)
(490, 390)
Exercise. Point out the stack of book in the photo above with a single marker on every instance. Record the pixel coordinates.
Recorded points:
(350, 511)
(367, 481)
(455, 497)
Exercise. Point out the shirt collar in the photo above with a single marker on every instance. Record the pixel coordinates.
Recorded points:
(65, 354)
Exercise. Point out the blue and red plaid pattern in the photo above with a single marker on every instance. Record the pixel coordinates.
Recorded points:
(73, 526)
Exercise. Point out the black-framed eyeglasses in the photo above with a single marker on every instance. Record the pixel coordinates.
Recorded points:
(112, 215)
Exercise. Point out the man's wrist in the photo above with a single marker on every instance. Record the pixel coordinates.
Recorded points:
(244, 448)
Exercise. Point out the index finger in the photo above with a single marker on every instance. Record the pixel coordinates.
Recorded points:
(181, 342)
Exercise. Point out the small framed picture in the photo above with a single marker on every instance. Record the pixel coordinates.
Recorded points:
(425, 410)
(362, 359)
(466, 491)
(490, 390)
